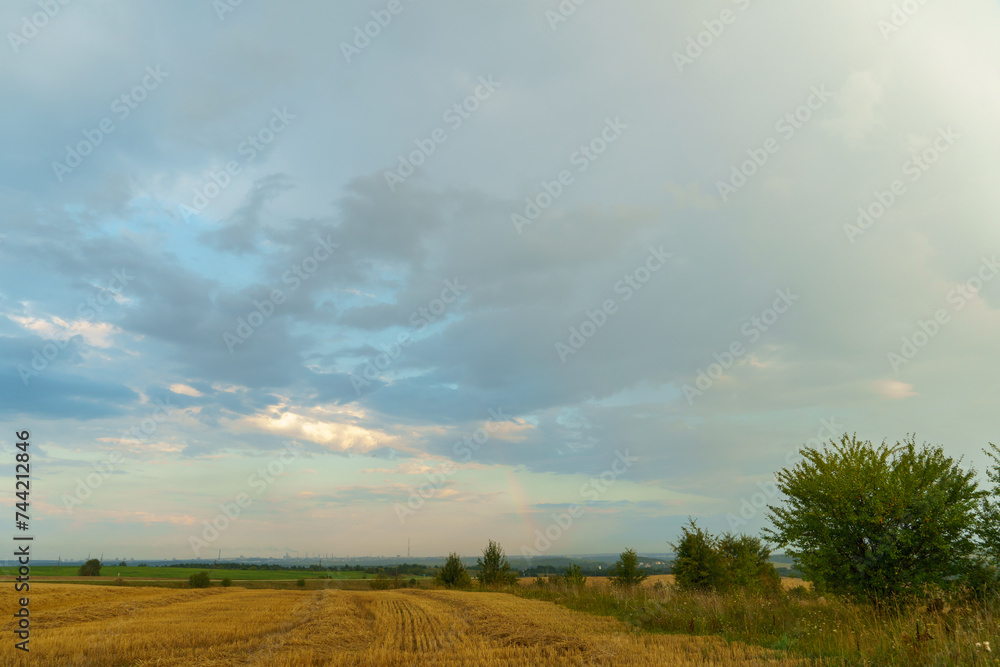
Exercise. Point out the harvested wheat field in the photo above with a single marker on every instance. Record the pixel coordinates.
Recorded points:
(97, 626)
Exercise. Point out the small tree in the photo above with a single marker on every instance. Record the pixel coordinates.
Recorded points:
(704, 562)
(494, 570)
(697, 561)
(877, 523)
(123, 564)
(574, 576)
(200, 580)
(454, 574)
(301, 583)
(92, 568)
(746, 564)
(627, 573)
(227, 582)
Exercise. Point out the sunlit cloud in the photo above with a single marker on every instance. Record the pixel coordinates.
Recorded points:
(894, 389)
(95, 334)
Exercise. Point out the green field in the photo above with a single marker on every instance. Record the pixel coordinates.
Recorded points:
(130, 572)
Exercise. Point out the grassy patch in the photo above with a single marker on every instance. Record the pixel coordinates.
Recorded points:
(833, 631)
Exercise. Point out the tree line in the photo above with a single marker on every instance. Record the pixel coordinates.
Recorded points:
(878, 524)
(402, 568)
(493, 570)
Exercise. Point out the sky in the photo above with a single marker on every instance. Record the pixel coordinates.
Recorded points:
(322, 278)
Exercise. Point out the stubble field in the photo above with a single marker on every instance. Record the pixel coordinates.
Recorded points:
(101, 626)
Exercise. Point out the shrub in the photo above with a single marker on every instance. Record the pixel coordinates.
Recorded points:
(454, 574)
(301, 583)
(746, 565)
(200, 580)
(494, 570)
(227, 582)
(697, 561)
(982, 579)
(574, 576)
(730, 562)
(627, 573)
(380, 582)
(92, 568)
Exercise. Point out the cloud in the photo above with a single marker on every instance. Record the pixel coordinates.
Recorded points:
(324, 429)
(893, 389)
(324, 365)
(184, 389)
(95, 334)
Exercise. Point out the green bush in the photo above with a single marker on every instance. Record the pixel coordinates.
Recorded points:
(380, 582)
(92, 568)
(981, 580)
(574, 576)
(746, 564)
(227, 582)
(697, 562)
(301, 583)
(454, 574)
(494, 569)
(200, 580)
(731, 562)
(627, 573)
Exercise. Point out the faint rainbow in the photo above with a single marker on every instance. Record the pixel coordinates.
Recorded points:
(522, 507)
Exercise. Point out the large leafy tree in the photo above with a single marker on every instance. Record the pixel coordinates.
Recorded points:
(454, 574)
(876, 523)
(494, 570)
